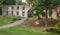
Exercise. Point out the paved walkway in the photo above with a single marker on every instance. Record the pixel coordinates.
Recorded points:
(13, 24)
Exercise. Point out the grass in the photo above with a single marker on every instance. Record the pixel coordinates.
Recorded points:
(23, 30)
(7, 20)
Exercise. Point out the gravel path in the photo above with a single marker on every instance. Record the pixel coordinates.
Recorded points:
(13, 24)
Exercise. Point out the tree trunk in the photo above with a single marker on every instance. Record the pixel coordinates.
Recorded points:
(46, 21)
(57, 14)
(0, 10)
(50, 13)
(39, 17)
(56, 11)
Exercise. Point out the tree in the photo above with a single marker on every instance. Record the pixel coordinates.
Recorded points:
(56, 4)
(40, 5)
(38, 9)
(1, 1)
(9, 2)
(30, 1)
(20, 2)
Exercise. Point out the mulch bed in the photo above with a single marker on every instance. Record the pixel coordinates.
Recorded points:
(50, 22)
(42, 22)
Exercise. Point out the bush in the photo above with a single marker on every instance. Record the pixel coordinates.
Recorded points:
(15, 19)
(58, 26)
(51, 30)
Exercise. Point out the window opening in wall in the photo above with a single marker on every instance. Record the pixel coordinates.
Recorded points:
(18, 8)
(12, 7)
(17, 13)
(7, 8)
(6, 12)
(23, 13)
(12, 13)
(23, 8)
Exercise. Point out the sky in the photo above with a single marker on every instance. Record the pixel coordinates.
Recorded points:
(23, 0)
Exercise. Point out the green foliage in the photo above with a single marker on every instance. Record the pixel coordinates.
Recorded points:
(15, 19)
(58, 26)
(56, 2)
(12, 2)
(9, 2)
(20, 2)
(1, 1)
(0, 10)
(30, 1)
(40, 5)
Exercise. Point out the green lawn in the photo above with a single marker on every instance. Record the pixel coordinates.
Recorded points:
(7, 20)
(22, 30)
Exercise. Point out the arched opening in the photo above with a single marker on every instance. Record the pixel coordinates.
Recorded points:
(29, 14)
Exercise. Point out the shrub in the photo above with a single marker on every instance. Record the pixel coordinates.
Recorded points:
(58, 26)
(15, 19)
